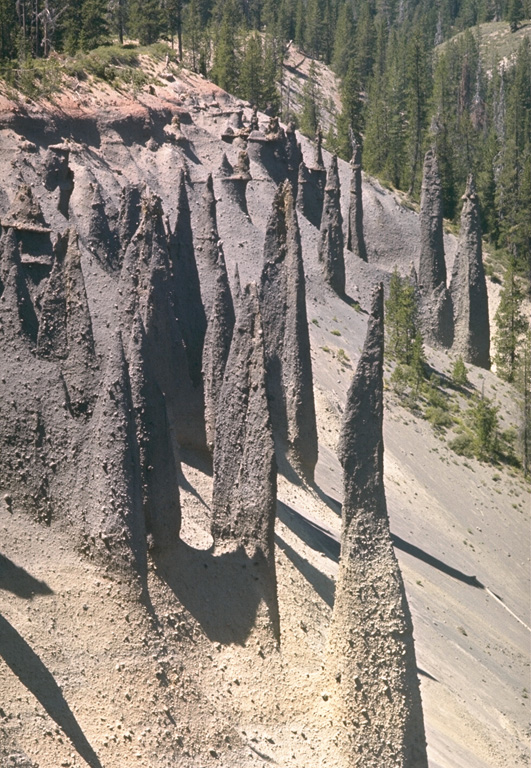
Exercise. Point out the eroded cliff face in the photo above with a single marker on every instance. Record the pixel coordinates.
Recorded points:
(147, 390)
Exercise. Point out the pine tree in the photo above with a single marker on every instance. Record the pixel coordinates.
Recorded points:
(418, 92)
(225, 68)
(510, 326)
(401, 320)
(250, 81)
(309, 119)
(8, 30)
(146, 20)
(94, 27)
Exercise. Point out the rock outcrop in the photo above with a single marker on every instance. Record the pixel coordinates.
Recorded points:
(244, 493)
(188, 300)
(435, 305)
(286, 337)
(52, 339)
(331, 244)
(57, 173)
(17, 313)
(468, 287)
(108, 494)
(373, 668)
(235, 180)
(159, 464)
(80, 368)
(128, 216)
(355, 236)
(100, 239)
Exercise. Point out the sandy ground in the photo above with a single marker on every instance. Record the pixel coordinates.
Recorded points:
(90, 676)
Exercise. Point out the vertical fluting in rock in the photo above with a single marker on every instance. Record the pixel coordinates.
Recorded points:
(188, 301)
(100, 240)
(80, 366)
(331, 244)
(432, 266)
(245, 474)
(286, 337)
(159, 465)
(149, 238)
(52, 340)
(372, 656)
(218, 304)
(128, 216)
(17, 310)
(435, 310)
(468, 287)
(165, 350)
(355, 236)
(109, 481)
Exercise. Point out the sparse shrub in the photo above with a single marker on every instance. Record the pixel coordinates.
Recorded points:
(335, 332)
(438, 417)
(342, 356)
(459, 373)
(463, 445)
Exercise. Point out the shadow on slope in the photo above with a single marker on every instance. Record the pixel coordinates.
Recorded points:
(15, 579)
(326, 541)
(223, 592)
(32, 673)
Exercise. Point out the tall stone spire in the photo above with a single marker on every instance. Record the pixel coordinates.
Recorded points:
(129, 216)
(52, 340)
(245, 474)
(372, 658)
(435, 313)
(355, 236)
(100, 239)
(432, 267)
(286, 336)
(468, 287)
(331, 246)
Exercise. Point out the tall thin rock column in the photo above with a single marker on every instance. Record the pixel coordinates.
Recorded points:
(286, 336)
(372, 657)
(245, 473)
(355, 236)
(331, 244)
(435, 313)
(52, 340)
(468, 287)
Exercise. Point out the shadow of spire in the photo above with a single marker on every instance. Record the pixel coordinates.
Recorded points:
(27, 666)
(15, 579)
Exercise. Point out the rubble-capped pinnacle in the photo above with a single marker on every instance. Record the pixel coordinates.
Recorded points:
(57, 173)
(100, 239)
(159, 464)
(52, 340)
(331, 245)
(318, 157)
(80, 367)
(109, 482)
(16, 306)
(187, 291)
(225, 167)
(432, 267)
(376, 698)
(286, 337)
(25, 213)
(244, 493)
(355, 236)
(468, 287)
(235, 179)
(129, 216)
